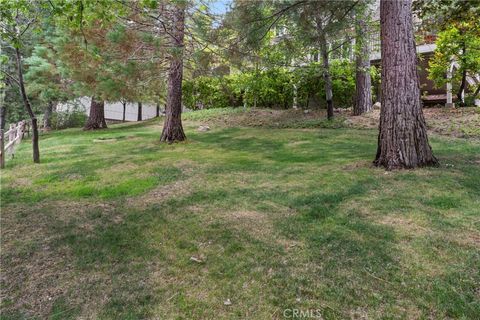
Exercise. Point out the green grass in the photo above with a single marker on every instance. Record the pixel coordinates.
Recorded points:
(280, 218)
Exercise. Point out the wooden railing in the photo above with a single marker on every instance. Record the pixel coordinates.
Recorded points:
(11, 138)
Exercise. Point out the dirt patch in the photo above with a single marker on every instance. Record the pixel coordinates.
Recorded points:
(462, 122)
(358, 164)
(162, 193)
(120, 168)
(265, 118)
(297, 143)
(23, 182)
(255, 223)
(468, 239)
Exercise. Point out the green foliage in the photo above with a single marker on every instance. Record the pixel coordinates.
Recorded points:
(43, 76)
(459, 42)
(269, 89)
(311, 83)
(273, 88)
(207, 92)
(68, 119)
(444, 12)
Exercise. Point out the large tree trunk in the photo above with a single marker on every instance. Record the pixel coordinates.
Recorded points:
(402, 140)
(47, 116)
(96, 119)
(363, 82)
(139, 113)
(26, 102)
(172, 127)
(157, 114)
(326, 73)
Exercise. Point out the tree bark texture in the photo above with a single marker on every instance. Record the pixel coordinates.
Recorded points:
(402, 140)
(139, 113)
(26, 102)
(96, 119)
(47, 116)
(3, 115)
(326, 73)
(172, 127)
(363, 82)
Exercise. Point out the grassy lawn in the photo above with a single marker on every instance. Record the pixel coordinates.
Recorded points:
(115, 225)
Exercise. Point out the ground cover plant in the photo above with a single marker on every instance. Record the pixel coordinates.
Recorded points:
(239, 222)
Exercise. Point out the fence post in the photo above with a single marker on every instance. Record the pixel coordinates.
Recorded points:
(11, 134)
(20, 130)
(2, 150)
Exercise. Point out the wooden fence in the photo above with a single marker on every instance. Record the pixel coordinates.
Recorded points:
(11, 138)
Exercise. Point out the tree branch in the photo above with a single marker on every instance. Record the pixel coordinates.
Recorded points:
(10, 77)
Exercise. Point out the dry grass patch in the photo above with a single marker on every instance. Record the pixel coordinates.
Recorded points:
(162, 193)
(461, 122)
(405, 225)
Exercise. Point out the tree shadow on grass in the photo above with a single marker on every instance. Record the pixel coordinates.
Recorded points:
(346, 247)
(326, 148)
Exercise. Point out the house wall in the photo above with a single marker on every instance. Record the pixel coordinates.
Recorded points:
(113, 110)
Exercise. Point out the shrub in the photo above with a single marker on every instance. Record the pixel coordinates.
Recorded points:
(68, 119)
(273, 88)
(311, 85)
(268, 89)
(207, 92)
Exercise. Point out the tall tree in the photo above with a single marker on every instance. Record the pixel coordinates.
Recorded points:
(319, 25)
(327, 77)
(363, 82)
(44, 79)
(172, 127)
(402, 139)
(96, 118)
(18, 18)
(89, 70)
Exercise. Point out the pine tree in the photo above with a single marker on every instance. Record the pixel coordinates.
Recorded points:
(402, 140)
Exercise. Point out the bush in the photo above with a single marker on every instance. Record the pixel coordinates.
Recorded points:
(208, 92)
(311, 85)
(68, 119)
(273, 88)
(268, 89)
